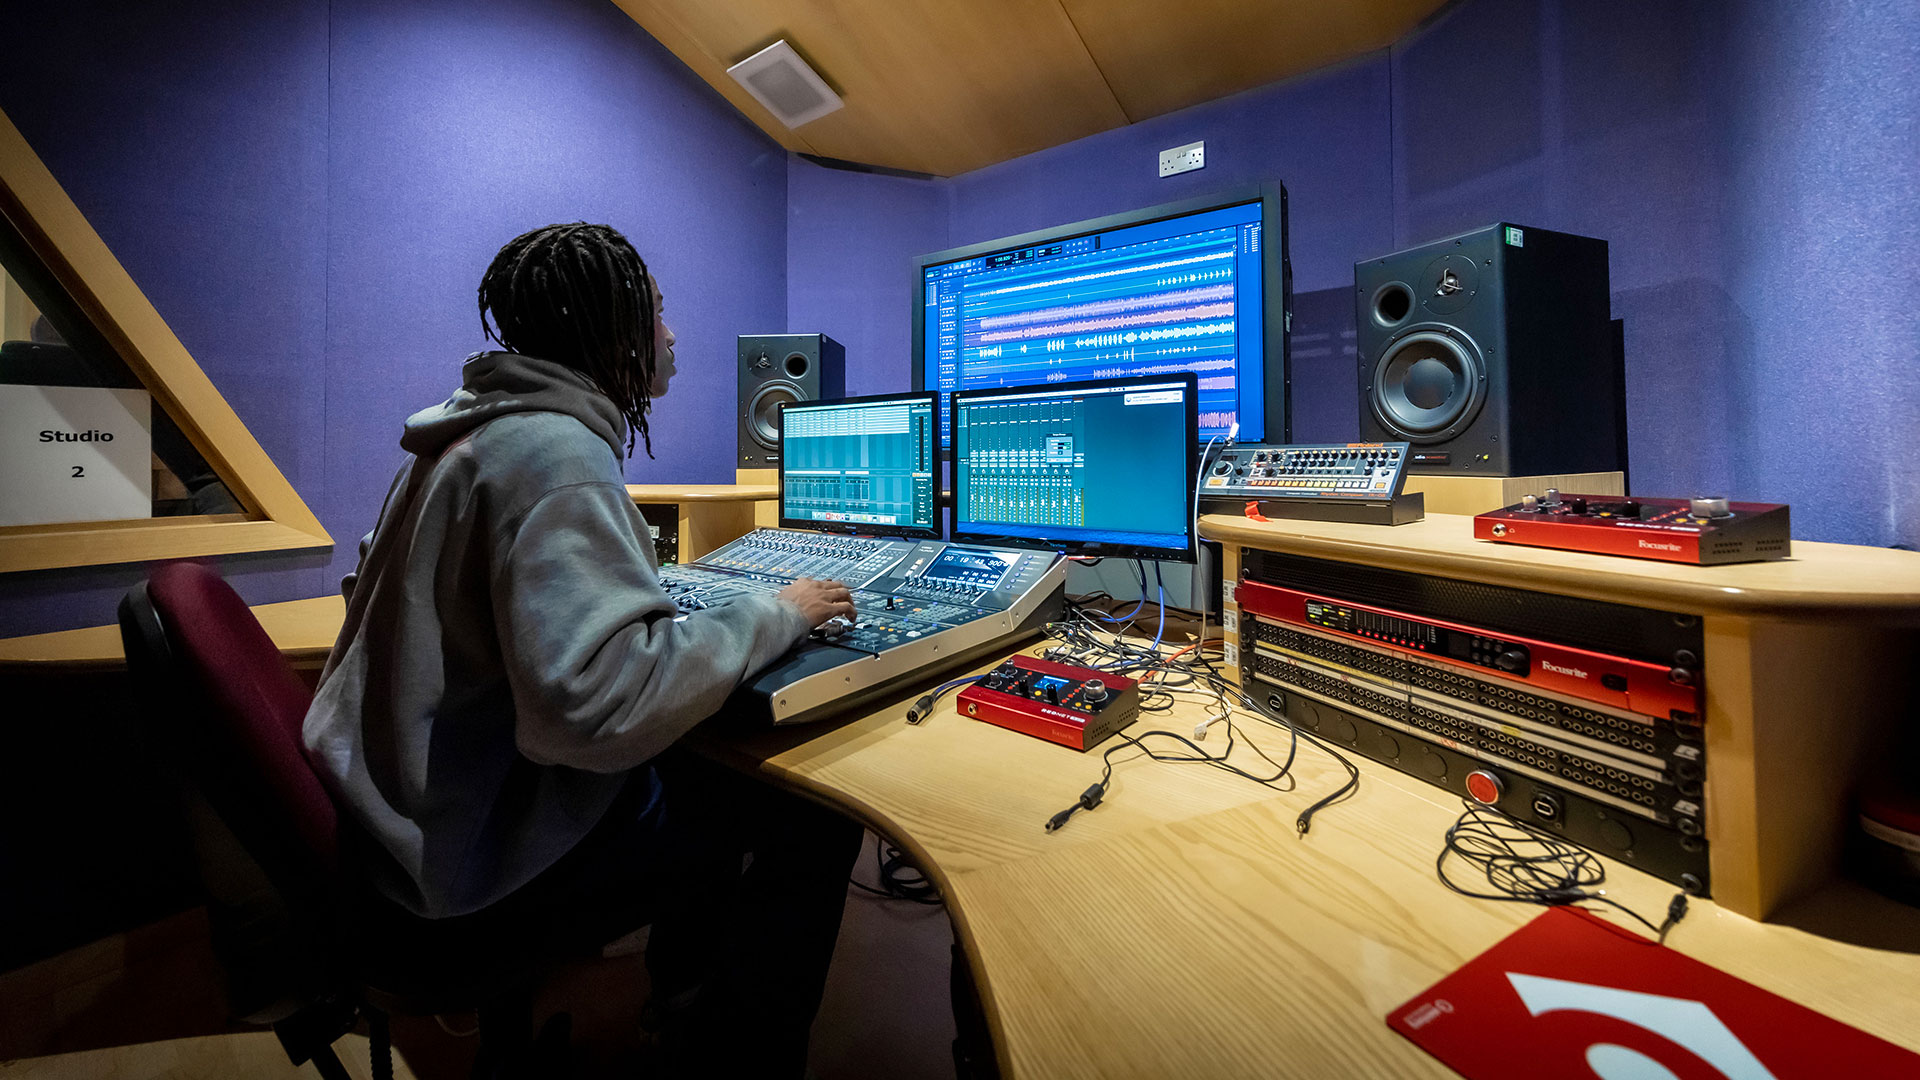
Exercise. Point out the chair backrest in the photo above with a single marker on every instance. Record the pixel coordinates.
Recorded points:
(231, 708)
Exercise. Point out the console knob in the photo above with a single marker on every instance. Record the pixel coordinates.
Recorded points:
(1710, 506)
(1223, 468)
(1513, 661)
(1553, 497)
(1093, 692)
(1577, 505)
(1529, 502)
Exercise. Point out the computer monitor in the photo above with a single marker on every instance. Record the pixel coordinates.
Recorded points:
(1202, 285)
(860, 465)
(1089, 468)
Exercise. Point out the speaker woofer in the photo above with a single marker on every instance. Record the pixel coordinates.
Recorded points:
(763, 412)
(1428, 384)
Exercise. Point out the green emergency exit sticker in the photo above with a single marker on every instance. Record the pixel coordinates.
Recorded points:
(1515, 238)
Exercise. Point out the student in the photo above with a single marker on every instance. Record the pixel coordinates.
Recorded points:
(499, 712)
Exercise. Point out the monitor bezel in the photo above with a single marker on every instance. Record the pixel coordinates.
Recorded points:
(1086, 548)
(936, 532)
(1276, 274)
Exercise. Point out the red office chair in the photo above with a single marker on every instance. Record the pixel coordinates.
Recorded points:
(307, 948)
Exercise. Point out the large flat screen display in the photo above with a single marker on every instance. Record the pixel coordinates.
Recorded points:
(1200, 286)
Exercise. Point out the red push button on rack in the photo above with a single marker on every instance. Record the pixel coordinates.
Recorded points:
(1484, 787)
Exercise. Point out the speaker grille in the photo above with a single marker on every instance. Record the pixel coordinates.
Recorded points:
(1429, 383)
(778, 78)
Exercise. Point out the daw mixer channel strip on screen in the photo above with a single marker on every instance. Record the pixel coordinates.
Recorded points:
(861, 464)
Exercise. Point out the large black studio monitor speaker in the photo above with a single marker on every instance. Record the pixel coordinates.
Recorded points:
(1492, 352)
(775, 369)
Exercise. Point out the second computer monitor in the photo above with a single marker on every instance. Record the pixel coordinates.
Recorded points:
(1089, 468)
(863, 465)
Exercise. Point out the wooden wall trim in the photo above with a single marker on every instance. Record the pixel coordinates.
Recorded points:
(33, 201)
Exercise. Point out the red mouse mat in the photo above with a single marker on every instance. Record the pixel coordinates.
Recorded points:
(1572, 996)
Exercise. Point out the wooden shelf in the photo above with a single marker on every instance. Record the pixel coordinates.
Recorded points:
(1820, 581)
(674, 493)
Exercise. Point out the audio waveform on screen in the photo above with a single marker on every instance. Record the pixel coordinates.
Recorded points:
(1216, 420)
(1225, 364)
(1054, 283)
(1105, 307)
(1191, 313)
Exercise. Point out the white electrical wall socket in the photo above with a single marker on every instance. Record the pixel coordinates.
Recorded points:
(1183, 159)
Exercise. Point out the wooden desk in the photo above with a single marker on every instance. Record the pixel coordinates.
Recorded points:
(303, 629)
(1183, 928)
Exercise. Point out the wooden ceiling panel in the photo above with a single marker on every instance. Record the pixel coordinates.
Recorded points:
(1159, 57)
(929, 86)
(944, 88)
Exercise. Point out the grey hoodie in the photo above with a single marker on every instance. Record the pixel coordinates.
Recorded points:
(508, 653)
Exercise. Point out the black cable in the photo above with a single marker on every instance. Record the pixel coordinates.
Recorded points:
(899, 877)
(1089, 644)
(1528, 865)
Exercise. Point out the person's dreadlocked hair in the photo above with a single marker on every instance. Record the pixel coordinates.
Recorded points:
(578, 295)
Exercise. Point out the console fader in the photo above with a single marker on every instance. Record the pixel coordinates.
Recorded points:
(922, 607)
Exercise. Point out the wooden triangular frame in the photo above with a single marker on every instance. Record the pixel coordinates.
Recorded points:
(277, 519)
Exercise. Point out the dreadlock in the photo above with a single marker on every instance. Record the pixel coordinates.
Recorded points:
(578, 295)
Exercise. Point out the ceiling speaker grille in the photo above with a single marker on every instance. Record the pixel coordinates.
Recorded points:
(793, 92)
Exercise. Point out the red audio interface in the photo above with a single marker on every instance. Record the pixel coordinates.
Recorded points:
(1063, 703)
(1616, 681)
(1701, 531)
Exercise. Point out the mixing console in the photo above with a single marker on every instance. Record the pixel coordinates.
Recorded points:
(791, 554)
(921, 607)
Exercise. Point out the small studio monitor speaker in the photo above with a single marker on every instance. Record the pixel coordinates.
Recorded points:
(775, 369)
(1493, 353)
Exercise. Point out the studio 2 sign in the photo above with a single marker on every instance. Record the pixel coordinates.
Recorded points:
(1572, 996)
(75, 453)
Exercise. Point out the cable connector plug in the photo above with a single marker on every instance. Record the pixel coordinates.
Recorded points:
(1200, 729)
(1676, 910)
(920, 710)
(1089, 799)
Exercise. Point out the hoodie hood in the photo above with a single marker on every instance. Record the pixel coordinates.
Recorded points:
(496, 384)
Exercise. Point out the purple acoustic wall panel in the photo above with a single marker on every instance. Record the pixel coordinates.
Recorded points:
(1590, 119)
(309, 193)
(1819, 194)
(192, 136)
(458, 124)
(851, 240)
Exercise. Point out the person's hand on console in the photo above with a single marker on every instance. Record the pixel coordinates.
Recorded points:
(820, 601)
